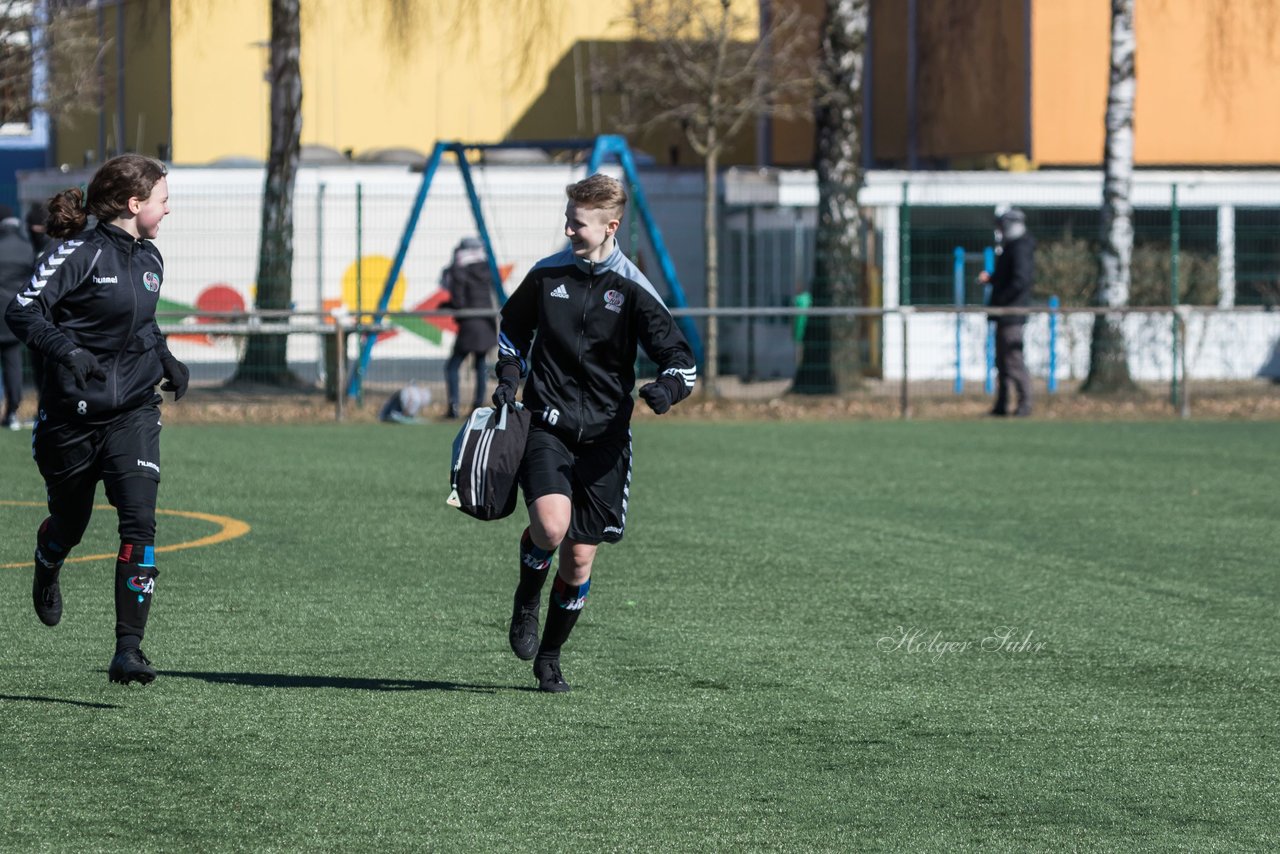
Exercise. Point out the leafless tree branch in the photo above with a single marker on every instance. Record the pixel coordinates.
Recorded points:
(73, 48)
(407, 20)
(704, 69)
(708, 69)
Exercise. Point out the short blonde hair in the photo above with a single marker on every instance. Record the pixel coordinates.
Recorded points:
(599, 191)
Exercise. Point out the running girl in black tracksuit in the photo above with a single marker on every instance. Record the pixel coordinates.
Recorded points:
(590, 308)
(89, 312)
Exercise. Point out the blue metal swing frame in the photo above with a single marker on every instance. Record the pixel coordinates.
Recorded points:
(602, 147)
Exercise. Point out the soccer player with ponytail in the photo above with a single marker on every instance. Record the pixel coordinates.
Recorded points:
(89, 315)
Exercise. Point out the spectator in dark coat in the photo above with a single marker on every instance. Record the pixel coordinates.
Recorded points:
(17, 263)
(470, 286)
(1011, 288)
(37, 216)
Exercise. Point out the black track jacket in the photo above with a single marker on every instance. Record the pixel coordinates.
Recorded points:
(97, 290)
(589, 317)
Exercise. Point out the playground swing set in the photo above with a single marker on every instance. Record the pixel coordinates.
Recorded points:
(601, 148)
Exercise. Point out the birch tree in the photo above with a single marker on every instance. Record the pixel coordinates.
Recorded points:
(830, 362)
(265, 359)
(1108, 358)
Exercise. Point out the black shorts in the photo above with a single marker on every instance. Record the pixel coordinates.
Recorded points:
(124, 444)
(595, 475)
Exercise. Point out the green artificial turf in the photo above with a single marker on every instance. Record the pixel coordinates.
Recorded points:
(791, 650)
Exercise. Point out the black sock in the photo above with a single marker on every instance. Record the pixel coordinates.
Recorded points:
(567, 601)
(135, 585)
(534, 563)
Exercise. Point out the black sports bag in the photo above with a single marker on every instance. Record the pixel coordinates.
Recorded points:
(486, 462)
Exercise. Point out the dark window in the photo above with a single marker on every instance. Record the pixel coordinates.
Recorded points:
(1257, 256)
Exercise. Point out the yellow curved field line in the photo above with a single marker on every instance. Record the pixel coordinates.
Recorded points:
(230, 529)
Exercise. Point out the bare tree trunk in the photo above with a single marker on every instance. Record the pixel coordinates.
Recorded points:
(711, 358)
(1108, 359)
(265, 356)
(831, 361)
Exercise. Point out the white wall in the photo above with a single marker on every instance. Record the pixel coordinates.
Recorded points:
(1221, 346)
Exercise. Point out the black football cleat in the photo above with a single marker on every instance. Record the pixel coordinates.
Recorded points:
(523, 632)
(547, 671)
(46, 595)
(130, 665)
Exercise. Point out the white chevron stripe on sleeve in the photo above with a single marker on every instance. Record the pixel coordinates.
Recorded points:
(688, 375)
(48, 268)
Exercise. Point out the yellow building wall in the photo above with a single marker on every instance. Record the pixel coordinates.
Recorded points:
(220, 93)
(480, 71)
(448, 76)
(1208, 82)
(485, 70)
(144, 86)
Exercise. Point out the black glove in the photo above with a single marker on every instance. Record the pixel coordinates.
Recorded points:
(505, 393)
(84, 366)
(658, 395)
(176, 375)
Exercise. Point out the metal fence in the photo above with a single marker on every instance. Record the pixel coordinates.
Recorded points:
(1208, 240)
(925, 357)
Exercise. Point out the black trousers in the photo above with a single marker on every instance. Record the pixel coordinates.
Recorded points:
(120, 450)
(1011, 368)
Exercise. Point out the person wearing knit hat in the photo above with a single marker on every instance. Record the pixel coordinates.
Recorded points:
(17, 263)
(1011, 288)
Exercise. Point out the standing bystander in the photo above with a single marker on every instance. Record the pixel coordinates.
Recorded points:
(17, 263)
(1011, 288)
(470, 286)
